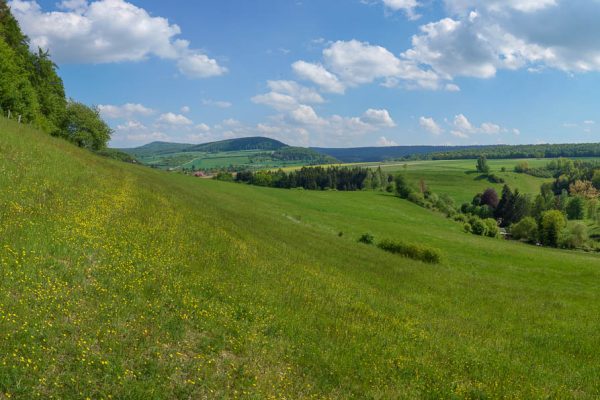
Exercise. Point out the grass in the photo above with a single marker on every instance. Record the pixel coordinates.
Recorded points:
(252, 159)
(118, 281)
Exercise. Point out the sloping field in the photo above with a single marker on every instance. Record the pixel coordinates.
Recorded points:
(117, 281)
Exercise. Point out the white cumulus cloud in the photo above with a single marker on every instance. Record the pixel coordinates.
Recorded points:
(430, 125)
(128, 110)
(174, 119)
(107, 31)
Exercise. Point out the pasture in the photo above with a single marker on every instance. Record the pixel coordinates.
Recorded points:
(118, 281)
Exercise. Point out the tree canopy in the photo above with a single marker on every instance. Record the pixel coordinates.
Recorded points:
(31, 88)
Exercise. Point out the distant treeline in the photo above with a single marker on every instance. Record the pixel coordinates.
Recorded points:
(318, 178)
(516, 151)
(302, 154)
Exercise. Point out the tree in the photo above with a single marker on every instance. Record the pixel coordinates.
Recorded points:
(584, 189)
(402, 187)
(576, 208)
(596, 179)
(490, 198)
(482, 165)
(593, 209)
(551, 225)
(84, 127)
(525, 229)
(16, 91)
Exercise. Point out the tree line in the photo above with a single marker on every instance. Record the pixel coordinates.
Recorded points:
(318, 178)
(515, 151)
(31, 88)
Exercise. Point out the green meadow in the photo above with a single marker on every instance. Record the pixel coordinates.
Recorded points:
(119, 281)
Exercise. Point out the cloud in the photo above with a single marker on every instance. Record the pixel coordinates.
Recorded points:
(482, 38)
(147, 137)
(216, 103)
(174, 119)
(408, 6)
(354, 63)
(384, 142)
(464, 6)
(131, 126)
(316, 73)
(380, 118)
(287, 95)
(430, 126)
(461, 127)
(185, 109)
(125, 111)
(197, 65)
(202, 128)
(108, 31)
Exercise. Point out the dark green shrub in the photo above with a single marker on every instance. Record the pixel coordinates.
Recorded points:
(366, 238)
(576, 208)
(415, 251)
(403, 189)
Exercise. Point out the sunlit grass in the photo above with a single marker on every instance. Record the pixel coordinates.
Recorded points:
(117, 281)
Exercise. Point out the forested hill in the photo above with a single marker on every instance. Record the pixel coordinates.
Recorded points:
(157, 148)
(520, 151)
(249, 143)
(375, 154)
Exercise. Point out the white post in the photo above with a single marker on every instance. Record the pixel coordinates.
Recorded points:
(9, 114)
(19, 119)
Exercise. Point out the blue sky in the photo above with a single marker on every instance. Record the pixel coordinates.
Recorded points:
(333, 73)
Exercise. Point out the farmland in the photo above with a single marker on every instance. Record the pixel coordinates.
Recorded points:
(118, 281)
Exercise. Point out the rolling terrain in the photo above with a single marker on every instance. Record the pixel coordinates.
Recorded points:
(235, 154)
(119, 281)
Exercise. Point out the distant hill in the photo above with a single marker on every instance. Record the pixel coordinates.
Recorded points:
(249, 143)
(233, 154)
(156, 148)
(375, 154)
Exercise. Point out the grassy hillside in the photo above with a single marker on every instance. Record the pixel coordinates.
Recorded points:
(460, 179)
(118, 281)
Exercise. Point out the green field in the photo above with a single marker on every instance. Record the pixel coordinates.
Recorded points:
(118, 281)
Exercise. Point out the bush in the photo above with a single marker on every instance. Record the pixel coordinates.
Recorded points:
(575, 237)
(478, 227)
(522, 167)
(417, 198)
(491, 226)
(467, 227)
(495, 179)
(403, 189)
(366, 238)
(415, 251)
(551, 225)
(526, 229)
